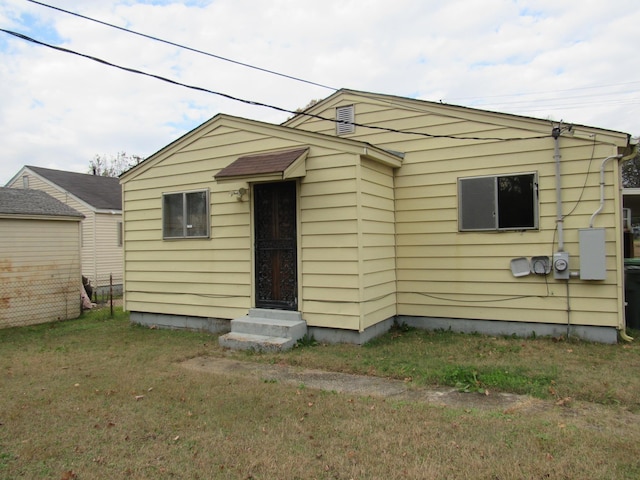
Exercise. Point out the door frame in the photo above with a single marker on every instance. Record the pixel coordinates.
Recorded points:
(298, 242)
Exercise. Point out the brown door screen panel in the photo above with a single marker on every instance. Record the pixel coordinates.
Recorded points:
(275, 245)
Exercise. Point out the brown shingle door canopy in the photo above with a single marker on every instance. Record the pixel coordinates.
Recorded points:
(266, 166)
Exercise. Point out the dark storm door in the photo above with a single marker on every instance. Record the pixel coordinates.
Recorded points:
(275, 245)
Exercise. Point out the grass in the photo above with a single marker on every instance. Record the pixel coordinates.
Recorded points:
(99, 398)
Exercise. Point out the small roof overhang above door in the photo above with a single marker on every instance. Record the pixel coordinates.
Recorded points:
(266, 167)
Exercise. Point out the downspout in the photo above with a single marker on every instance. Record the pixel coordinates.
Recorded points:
(555, 133)
(621, 331)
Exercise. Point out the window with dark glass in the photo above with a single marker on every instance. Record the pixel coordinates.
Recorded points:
(500, 202)
(185, 214)
(120, 234)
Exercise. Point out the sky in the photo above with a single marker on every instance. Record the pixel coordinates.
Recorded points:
(552, 59)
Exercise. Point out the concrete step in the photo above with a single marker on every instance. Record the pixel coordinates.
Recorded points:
(261, 343)
(275, 314)
(270, 327)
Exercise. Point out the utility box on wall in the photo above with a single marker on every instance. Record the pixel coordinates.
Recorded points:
(593, 265)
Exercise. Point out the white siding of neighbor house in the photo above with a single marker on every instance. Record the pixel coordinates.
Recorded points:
(442, 272)
(101, 255)
(108, 258)
(39, 271)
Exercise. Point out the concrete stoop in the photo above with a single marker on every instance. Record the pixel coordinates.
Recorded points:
(265, 330)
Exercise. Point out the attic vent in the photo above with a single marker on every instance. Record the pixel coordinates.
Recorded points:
(345, 117)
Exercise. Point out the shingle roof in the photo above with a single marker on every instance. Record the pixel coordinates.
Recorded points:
(263, 163)
(19, 201)
(102, 193)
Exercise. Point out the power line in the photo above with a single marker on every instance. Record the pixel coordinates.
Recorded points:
(256, 103)
(523, 103)
(573, 89)
(151, 37)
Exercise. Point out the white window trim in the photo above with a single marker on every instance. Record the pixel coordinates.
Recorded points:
(496, 227)
(184, 215)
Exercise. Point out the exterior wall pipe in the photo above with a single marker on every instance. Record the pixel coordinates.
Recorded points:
(597, 212)
(555, 132)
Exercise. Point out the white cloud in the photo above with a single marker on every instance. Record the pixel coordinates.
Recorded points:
(518, 56)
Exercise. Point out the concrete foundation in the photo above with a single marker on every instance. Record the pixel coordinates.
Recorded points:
(519, 329)
(181, 322)
(333, 335)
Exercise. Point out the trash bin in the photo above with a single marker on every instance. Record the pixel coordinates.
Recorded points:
(632, 292)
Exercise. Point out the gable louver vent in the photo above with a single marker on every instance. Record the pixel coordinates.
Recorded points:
(345, 117)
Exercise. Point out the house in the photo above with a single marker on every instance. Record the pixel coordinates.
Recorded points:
(40, 277)
(369, 209)
(99, 199)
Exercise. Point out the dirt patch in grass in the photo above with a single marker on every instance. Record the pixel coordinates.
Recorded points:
(362, 385)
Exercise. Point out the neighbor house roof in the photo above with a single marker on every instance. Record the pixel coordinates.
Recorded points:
(102, 193)
(18, 201)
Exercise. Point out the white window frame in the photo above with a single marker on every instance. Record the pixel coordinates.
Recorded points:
(184, 214)
(478, 203)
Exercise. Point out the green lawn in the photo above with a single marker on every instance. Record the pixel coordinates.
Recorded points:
(99, 398)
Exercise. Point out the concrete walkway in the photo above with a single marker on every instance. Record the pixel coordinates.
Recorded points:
(361, 385)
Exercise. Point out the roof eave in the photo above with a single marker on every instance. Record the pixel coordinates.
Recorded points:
(26, 216)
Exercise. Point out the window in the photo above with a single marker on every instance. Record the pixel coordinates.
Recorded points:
(25, 181)
(345, 117)
(119, 233)
(185, 214)
(501, 202)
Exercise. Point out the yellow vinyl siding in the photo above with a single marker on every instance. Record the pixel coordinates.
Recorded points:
(39, 271)
(377, 239)
(470, 272)
(329, 242)
(214, 277)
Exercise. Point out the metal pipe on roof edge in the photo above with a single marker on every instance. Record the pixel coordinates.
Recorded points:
(597, 212)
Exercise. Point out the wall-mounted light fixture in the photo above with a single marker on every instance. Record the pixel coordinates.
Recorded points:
(241, 192)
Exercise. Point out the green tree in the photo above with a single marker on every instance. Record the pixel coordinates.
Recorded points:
(113, 166)
(631, 172)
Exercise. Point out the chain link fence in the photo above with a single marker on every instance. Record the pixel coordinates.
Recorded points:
(105, 290)
(32, 295)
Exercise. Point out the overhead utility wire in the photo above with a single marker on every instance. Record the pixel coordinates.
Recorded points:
(573, 89)
(151, 37)
(255, 103)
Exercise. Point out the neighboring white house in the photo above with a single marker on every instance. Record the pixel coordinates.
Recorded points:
(99, 199)
(39, 258)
